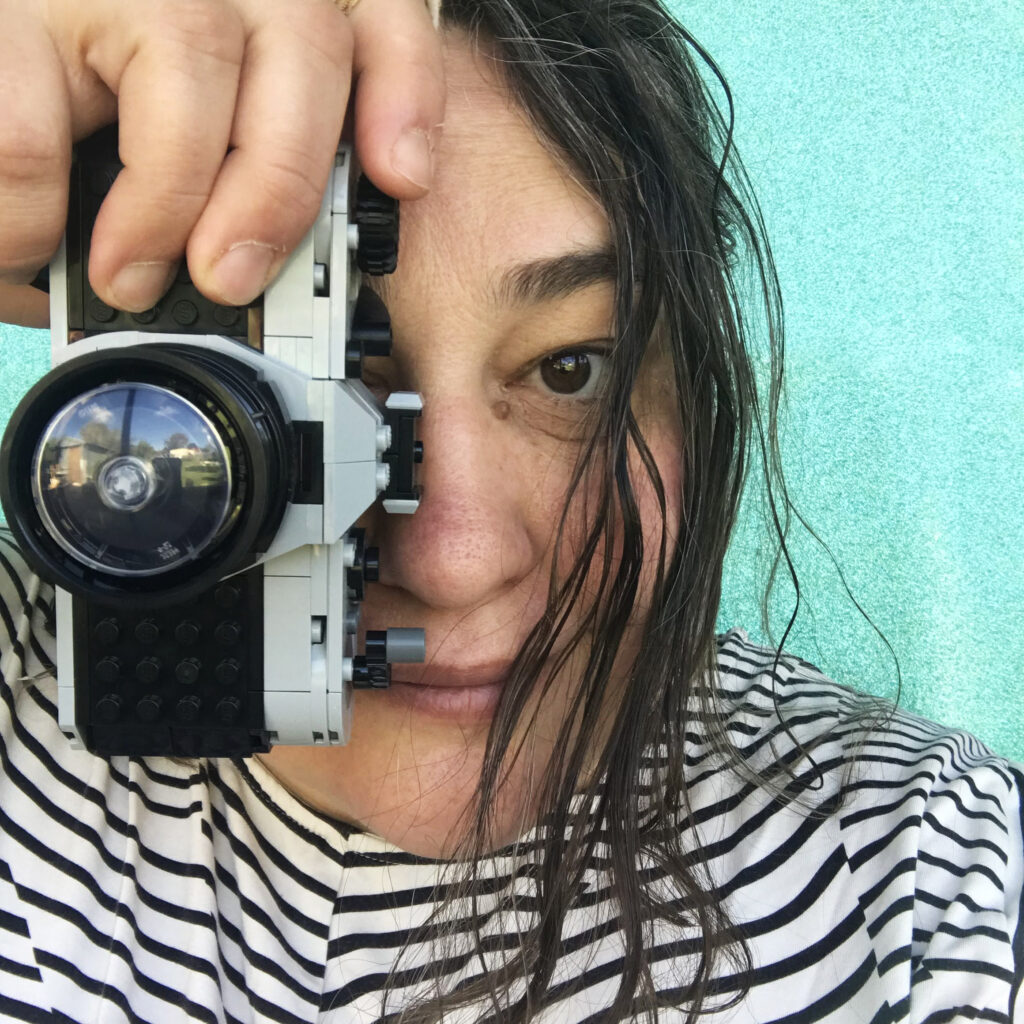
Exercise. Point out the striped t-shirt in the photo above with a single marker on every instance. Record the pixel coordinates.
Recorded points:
(135, 889)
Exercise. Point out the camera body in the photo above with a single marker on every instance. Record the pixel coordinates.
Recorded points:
(190, 478)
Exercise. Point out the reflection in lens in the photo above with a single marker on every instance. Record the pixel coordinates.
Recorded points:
(133, 480)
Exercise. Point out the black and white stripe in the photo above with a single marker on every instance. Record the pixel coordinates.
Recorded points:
(145, 890)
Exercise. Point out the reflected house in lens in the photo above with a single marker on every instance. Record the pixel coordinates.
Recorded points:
(66, 463)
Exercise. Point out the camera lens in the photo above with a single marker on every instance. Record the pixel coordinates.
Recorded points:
(132, 479)
(142, 475)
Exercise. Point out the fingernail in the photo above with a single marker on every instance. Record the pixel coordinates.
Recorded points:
(243, 272)
(139, 285)
(411, 157)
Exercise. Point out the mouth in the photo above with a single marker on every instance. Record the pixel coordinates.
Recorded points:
(461, 693)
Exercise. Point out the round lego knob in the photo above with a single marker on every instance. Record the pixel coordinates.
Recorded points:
(148, 708)
(147, 631)
(107, 631)
(186, 633)
(228, 633)
(108, 708)
(227, 672)
(108, 670)
(188, 708)
(147, 671)
(228, 709)
(187, 671)
(377, 217)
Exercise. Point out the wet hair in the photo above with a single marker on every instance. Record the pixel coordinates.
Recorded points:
(613, 89)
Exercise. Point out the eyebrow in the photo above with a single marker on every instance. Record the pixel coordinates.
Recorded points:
(554, 277)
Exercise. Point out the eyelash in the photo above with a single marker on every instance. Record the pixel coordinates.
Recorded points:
(596, 355)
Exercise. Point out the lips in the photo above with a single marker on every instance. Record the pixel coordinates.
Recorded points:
(463, 694)
(451, 676)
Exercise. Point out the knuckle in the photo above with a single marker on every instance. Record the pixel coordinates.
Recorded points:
(290, 187)
(168, 215)
(31, 206)
(22, 262)
(30, 155)
(320, 31)
(207, 27)
(321, 22)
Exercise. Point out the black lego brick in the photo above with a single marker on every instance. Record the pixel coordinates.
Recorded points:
(183, 310)
(184, 680)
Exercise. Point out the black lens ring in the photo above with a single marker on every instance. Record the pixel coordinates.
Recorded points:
(256, 433)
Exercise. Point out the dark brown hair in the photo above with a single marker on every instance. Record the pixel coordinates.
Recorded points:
(612, 88)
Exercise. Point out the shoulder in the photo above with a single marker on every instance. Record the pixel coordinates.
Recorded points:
(760, 692)
(910, 834)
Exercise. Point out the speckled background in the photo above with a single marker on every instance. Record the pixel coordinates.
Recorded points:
(885, 144)
(884, 140)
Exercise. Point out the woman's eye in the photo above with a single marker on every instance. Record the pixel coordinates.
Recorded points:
(575, 373)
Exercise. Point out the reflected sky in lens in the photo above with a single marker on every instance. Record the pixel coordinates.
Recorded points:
(159, 423)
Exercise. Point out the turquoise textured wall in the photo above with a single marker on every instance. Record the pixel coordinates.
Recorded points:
(884, 140)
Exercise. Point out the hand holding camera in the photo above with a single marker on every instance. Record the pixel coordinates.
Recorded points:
(192, 497)
(230, 113)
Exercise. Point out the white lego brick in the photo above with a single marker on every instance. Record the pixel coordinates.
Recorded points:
(66, 668)
(295, 352)
(321, 363)
(349, 490)
(66, 716)
(301, 719)
(341, 182)
(339, 715)
(286, 718)
(351, 418)
(301, 525)
(340, 289)
(324, 730)
(400, 506)
(405, 401)
(286, 640)
(337, 583)
(287, 303)
(278, 348)
(59, 302)
(319, 580)
(322, 225)
(339, 696)
(295, 686)
(295, 563)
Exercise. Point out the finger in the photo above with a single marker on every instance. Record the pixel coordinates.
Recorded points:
(291, 106)
(400, 94)
(24, 306)
(35, 146)
(175, 67)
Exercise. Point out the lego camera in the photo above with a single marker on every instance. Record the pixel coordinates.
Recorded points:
(189, 478)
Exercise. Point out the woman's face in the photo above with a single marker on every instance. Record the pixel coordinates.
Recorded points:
(500, 307)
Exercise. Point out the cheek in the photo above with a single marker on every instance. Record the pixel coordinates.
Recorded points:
(667, 450)
(659, 516)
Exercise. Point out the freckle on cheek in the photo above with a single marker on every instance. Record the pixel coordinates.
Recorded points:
(501, 410)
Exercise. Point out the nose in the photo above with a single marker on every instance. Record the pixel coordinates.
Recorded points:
(473, 537)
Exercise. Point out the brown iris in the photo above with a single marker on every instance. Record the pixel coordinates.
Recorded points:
(566, 373)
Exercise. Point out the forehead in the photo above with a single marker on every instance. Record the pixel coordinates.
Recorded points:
(499, 195)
